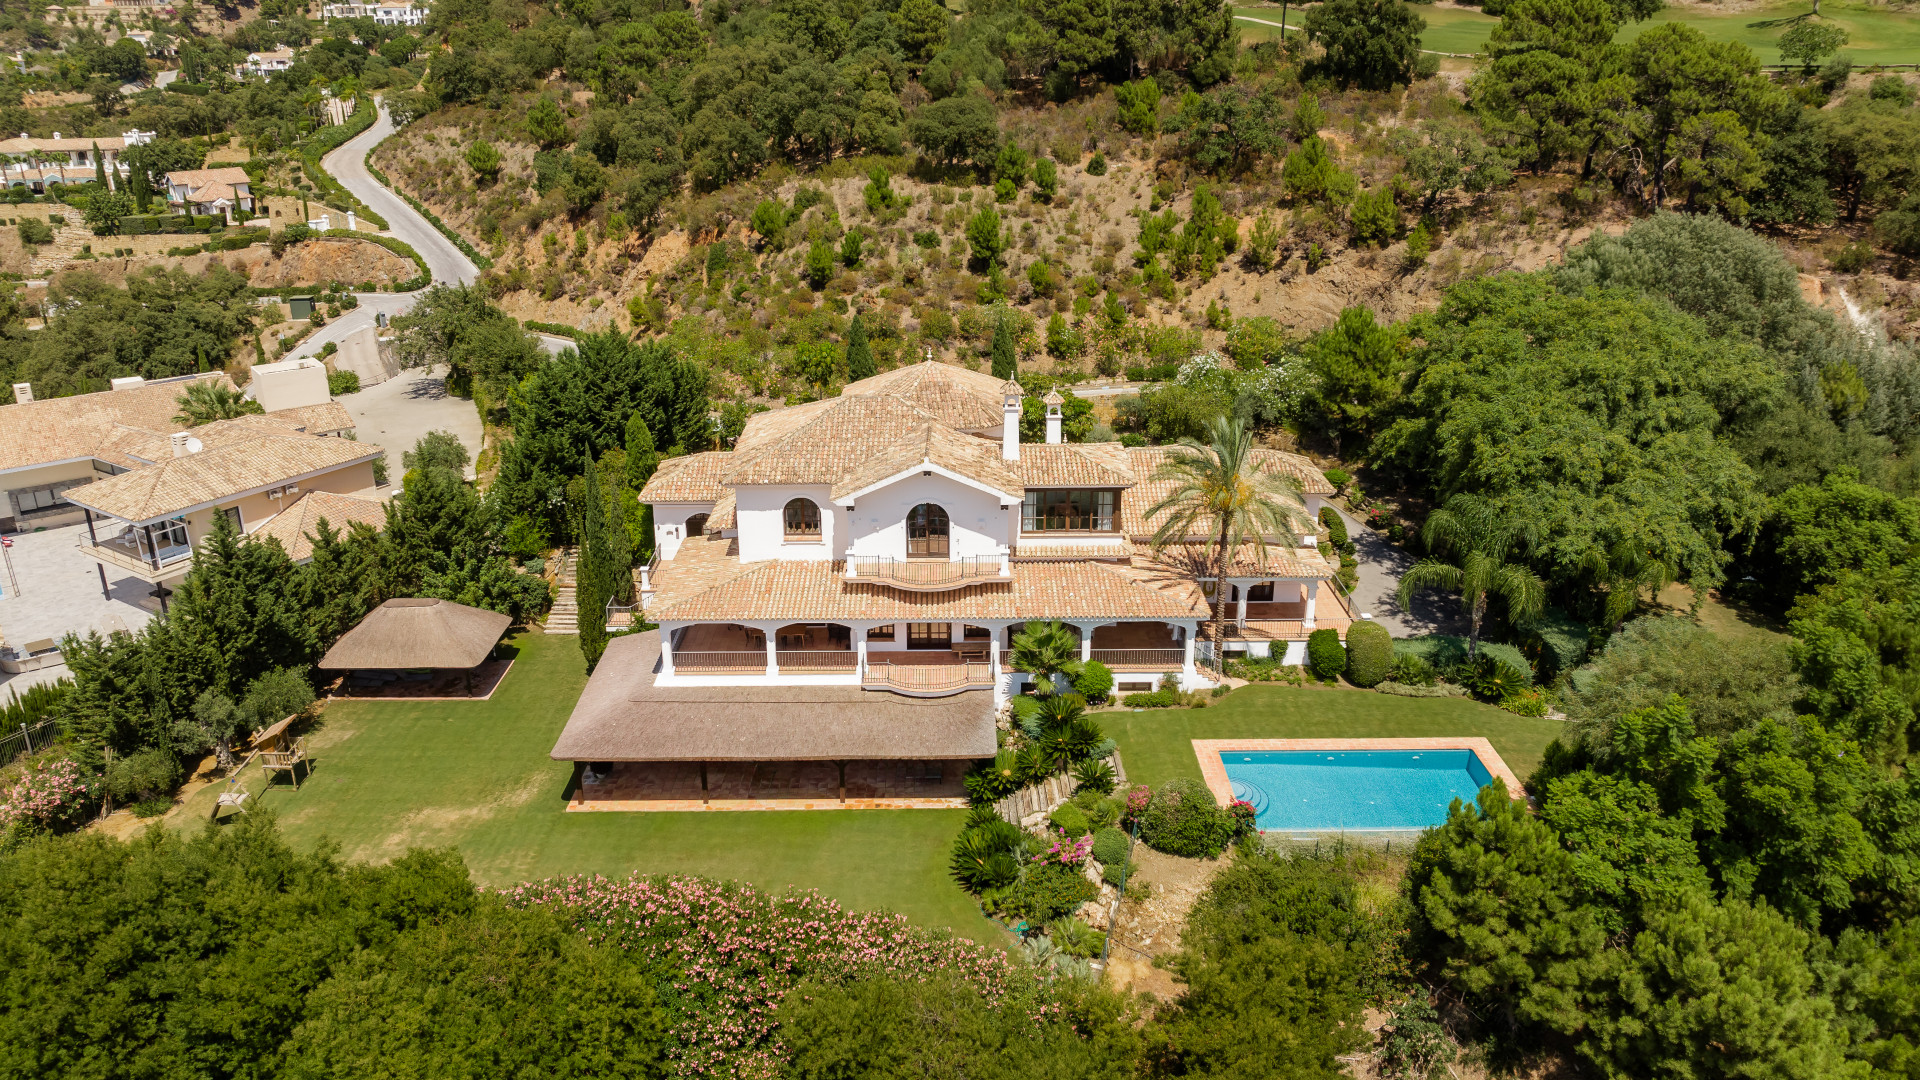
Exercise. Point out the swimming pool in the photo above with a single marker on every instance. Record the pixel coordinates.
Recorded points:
(1357, 790)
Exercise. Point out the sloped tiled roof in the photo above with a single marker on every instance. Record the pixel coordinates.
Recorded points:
(325, 418)
(694, 478)
(64, 428)
(939, 445)
(220, 472)
(952, 395)
(843, 440)
(1148, 492)
(295, 525)
(1248, 560)
(1075, 465)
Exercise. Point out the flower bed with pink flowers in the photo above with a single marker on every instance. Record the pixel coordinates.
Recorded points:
(728, 954)
(48, 795)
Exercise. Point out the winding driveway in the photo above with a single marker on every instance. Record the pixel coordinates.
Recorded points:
(1381, 566)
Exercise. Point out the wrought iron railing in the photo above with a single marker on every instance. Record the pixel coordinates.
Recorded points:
(815, 661)
(739, 661)
(924, 573)
(1156, 659)
(928, 677)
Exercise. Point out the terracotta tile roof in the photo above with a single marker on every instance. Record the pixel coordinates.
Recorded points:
(701, 563)
(935, 444)
(817, 591)
(1117, 549)
(840, 442)
(694, 478)
(1146, 460)
(763, 429)
(295, 525)
(723, 516)
(952, 395)
(1248, 561)
(326, 418)
(1075, 465)
(64, 428)
(175, 485)
(23, 146)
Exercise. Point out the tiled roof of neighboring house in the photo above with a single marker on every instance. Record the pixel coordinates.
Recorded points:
(935, 444)
(27, 144)
(195, 179)
(623, 716)
(325, 418)
(814, 591)
(178, 484)
(1148, 493)
(1075, 465)
(955, 396)
(64, 428)
(694, 478)
(295, 525)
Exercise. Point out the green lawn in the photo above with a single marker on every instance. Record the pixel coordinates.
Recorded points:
(1878, 34)
(1156, 744)
(475, 775)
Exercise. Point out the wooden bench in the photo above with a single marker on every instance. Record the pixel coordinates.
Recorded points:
(287, 759)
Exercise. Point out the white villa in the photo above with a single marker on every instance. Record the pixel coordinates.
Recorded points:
(390, 13)
(210, 191)
(36, 163)
(843, 587)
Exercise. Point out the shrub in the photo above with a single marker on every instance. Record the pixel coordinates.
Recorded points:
(1110, 847)
(1339, 478)
(1097, 165)
(1093, 775)
(983, 856)
(1075, 938)
(1853, 258)
(1048, 891)
(1411, 669)
(1094, 682)
(1026, 710)
(141, 776)
(1336, 529)
(1325, 656)
(1369, 653)
(35, 232)
(1158, 699)
(1184, 820)
(1493, 679)
(1446, 653)
(342, 382)
(1070, 819)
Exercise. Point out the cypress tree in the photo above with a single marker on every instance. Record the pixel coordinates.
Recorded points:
(619, 578)
(859, 355)
(1003, 363)
(100, 169)
(590, 576)
(642, 460)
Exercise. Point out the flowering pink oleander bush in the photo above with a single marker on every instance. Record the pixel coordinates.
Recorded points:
(727, 954)
(1068, 851)
(51, 794)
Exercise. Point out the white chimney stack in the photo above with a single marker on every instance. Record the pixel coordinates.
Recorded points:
(1010, 421)
(182, 444)
(1053, 402)
(22, 393)
(128, 382)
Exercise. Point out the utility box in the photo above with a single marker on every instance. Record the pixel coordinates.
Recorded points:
(289, 384)
(299, 307)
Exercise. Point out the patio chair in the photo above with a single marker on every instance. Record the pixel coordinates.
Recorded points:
(287, 760)
(236, 798)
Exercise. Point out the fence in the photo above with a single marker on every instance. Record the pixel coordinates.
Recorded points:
(1150, 659)
(28, 739)
(1047, 795)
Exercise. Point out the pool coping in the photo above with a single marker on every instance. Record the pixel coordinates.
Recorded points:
(1214, 771)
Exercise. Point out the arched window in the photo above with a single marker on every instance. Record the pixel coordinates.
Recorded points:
(803, 520)
(696, 526)
(927, 532)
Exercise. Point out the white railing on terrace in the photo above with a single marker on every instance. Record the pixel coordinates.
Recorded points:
(928, 677)
(926, 573)
(743, 661)
(1156, 659)
(804, 661)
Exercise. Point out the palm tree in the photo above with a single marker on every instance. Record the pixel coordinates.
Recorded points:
(1623, 570)
(1043, 650)
(205, 402)
(1220, 491)
(1480, 538)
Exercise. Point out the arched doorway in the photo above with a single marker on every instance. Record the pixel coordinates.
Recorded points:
(927, 532)
(696, 526)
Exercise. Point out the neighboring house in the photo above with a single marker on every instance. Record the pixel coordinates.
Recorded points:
(895, 539)
(147, 521)
(210, 191)
(264, 63)
(36, 163)
(51, 447)
(387, 14)
(297, 522)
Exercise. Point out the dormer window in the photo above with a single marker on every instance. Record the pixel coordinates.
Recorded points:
(803, 521)
(1067, 510)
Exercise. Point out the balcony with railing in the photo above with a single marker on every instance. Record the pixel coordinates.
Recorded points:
(927, 679)
(928, 575)
(130, 552)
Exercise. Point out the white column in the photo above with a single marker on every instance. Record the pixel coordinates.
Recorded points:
(860, 649)
(773, 659)
(1186, 661)
(1313, 592)
(993, 661)
(1086, 641)
(666, 648)
(1240, 608)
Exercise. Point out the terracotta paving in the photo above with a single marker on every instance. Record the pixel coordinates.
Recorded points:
(782, 785)
(1214, 771)
(444, 686)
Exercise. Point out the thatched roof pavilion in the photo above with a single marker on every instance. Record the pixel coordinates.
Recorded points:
(418, 632)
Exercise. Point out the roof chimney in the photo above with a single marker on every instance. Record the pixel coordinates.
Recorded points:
(129, 382)
(1053, 402)
(182, 443)
(1010, 420)
(22, 393)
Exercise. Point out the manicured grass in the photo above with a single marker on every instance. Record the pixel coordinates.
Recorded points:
(1878, 35)
(1156, 744)
(390, 775)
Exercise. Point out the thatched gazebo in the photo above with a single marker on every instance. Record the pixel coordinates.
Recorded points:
(417, 634)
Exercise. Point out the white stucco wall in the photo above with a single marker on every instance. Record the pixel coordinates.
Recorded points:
(670, 525)
(761, 512)
(977, 525)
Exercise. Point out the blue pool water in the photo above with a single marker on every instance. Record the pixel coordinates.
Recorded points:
(1353, 789)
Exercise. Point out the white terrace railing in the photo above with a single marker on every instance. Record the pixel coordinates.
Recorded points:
(927, 575)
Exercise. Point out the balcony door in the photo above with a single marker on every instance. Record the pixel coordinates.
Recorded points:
(929, 635)
(166, 541)
(927, 531)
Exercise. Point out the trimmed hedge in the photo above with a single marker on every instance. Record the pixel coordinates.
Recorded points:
(1094, 682)
(1325, 655)
(433, 219)
(556, 329)
(1109, 846)
(1336, 529)
(1446, 652)
(149, 224)
(1369, 653)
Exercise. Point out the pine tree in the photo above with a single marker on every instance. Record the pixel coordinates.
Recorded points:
(591, 574)
(1003, 362)
(859, 355)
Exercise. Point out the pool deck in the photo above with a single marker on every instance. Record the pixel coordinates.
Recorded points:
(1214, 770)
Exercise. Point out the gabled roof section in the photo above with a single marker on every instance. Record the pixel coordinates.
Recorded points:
(937, 445)
(831, 443)
(1098, 465)
(694, 478)
(955, 396)
(176, 485)
(295, 525)
(64, 428)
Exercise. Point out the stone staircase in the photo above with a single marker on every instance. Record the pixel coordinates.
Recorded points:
(564, 618)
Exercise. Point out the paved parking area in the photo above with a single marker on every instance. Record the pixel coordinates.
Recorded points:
(396, 413)
(54, 590)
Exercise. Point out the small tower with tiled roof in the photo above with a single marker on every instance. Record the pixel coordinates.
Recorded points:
(1053, 401)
